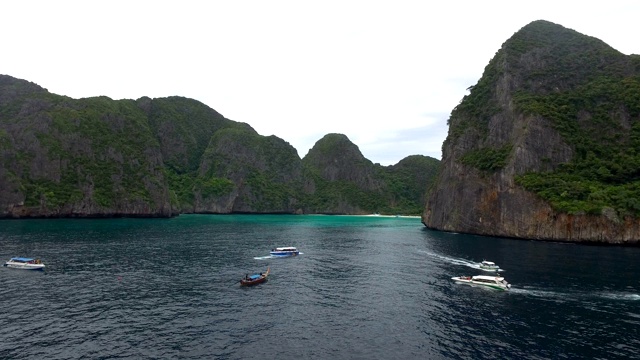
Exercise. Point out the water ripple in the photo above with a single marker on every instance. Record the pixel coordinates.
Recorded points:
(364, 288)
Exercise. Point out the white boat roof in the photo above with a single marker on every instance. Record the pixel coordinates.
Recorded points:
(488, 262)
(487, 277)
(286, 248)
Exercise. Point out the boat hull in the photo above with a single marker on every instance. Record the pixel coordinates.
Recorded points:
(284, 251)
(489, 268)
(252, 282)
(469, 281)
(24, 266)
(284, 254)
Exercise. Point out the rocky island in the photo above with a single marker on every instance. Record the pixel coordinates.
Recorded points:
(546, 145)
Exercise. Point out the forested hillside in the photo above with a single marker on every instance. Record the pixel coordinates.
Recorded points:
(93, 157)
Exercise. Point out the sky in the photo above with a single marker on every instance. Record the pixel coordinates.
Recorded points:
(384, 73)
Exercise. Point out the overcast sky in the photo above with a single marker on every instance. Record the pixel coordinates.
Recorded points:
(385, 73)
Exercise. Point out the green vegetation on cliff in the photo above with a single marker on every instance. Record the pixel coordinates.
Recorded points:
(487, 159)
(601, 121)
(408, 182)
(476, 109)
(159, 157)
(596, 109)
(589, 92)
(346, 181)
(92, 143)
(184, 128)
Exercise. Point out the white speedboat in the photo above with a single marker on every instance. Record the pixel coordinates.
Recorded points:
(25, 263)
(489, 266)
(493, 282)
(285, 251)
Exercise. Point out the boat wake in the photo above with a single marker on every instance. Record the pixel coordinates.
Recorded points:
(620, 296)
(578, 296)
(457, 261)
(540, 293)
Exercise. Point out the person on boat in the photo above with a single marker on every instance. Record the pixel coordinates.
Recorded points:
(246, 276)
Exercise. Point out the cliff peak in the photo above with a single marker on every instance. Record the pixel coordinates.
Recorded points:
(12, 88)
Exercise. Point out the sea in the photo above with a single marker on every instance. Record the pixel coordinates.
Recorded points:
(364, 287)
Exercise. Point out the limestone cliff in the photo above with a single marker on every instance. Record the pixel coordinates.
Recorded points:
(98, 157)
(339, 179)
(544, 145)
(264, 174)
(76, 158)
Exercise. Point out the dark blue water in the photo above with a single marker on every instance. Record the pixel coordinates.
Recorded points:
(364, 288)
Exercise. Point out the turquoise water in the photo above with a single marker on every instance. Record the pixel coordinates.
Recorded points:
(364, 288)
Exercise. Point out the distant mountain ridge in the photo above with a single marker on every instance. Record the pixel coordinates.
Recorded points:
(546, 145)
(98, 157)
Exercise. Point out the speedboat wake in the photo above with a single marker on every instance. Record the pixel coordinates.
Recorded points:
(578, 296)
(457, 261)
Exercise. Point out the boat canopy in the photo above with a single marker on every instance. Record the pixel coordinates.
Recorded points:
(286, 248)
(485, 277)
(22, 259)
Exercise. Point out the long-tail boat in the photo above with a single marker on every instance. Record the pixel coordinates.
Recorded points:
(255, 279)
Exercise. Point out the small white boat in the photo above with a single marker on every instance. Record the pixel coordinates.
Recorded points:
(25, 263)
(489, 266)
(285, 251)
(493, 282)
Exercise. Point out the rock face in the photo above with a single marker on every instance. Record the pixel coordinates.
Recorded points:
(340, 180)
(96, 157)
(540, 113)
(336, 158)
(76, 158)
(265, 174)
